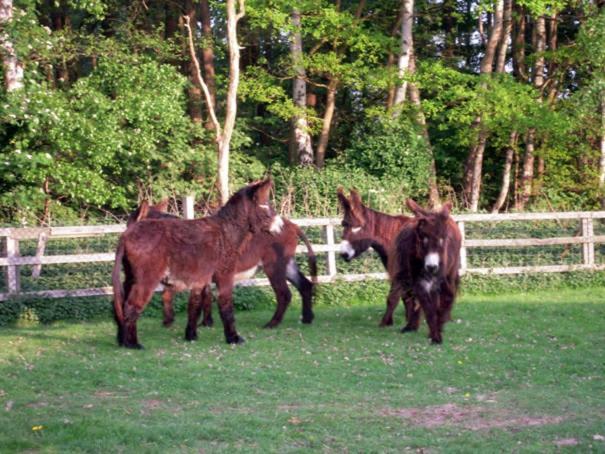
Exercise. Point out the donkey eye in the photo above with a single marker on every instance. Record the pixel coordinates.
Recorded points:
(344, 224)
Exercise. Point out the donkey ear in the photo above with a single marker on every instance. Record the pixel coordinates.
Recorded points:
(262, 191)
(446, 209)
(415, 208)
(143, 210)
(355, 198)
(162, 206)
(342, 198)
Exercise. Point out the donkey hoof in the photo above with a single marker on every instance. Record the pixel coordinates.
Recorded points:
(168, 322)
(237, 339)
(408, 329)
(384, 323)
(190, 336)
(307, 320)
(436, 341)
(271, 324)
(136, 346)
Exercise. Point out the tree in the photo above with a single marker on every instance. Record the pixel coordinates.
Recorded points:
(301, 147)
(223, 134)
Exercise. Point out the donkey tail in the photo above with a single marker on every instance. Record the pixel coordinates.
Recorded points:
(118, 291)
(310, 255)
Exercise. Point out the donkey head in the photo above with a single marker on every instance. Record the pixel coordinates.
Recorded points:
(249, 209)
(145, 210)
(431, 234)
(356, 235)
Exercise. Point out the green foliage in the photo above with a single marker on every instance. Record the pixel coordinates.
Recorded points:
(392, 148)
(102, 142)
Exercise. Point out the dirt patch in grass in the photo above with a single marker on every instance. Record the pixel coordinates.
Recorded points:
(472, 417)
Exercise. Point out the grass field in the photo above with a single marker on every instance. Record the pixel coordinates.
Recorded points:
(516, 373)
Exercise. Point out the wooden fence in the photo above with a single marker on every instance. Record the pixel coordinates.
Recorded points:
(584, 236)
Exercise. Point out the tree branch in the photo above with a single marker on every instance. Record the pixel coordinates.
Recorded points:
(200, 79)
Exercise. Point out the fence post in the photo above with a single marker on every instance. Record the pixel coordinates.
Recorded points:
(331, 252)
(463, 258)
(188, 212)
(588, 246)
(13, 283)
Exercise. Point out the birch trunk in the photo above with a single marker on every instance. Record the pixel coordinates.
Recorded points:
(301, 148)
(407, 22)
(507, 24)
(13, 68)
(224, 142)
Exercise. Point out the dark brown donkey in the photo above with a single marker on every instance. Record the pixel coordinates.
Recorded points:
(273, 251)
(365, 228)
(188, 254)
(425, 258)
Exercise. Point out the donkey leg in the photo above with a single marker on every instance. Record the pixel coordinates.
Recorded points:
(429, 303)
(412, 313)
(138, 298)
(304, 287)
(121, 334)
(392, 302)
(194, 309)
(225, 304)
(167, 296)
(445, 308)
(207, 307)
(277, 278)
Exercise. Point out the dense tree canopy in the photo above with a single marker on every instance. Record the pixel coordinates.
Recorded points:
(496, 105)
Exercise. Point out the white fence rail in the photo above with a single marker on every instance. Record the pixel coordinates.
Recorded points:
(12, 260)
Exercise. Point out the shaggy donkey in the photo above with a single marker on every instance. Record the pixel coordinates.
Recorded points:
(274, 252)
(425, 257)
(188, 254)
(364, 228)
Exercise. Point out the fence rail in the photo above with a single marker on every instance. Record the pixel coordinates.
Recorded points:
(584, 236)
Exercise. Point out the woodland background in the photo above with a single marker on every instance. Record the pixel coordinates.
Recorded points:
(496, 105)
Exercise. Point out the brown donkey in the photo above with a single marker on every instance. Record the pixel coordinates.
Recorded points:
(188, 254)
(425, 257)
(273, 251)
(364, 228)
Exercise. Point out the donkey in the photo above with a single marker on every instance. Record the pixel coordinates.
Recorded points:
(274, 252)
(188, 254)
(365, 228)
(425, 258)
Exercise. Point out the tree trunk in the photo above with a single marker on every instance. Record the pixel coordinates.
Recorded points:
(327, 122)
(414, 94)
(505, 37)
(519, 67)
(448, 24)
(224, 142)
(208, 56)
(506, 173)
(527, 179)
(407, 22)
(474, 164)
(12, 67)
(301, 149)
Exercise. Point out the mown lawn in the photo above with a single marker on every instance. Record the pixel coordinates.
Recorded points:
(516, 373)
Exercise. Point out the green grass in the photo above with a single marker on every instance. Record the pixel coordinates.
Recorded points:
(517, 373)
